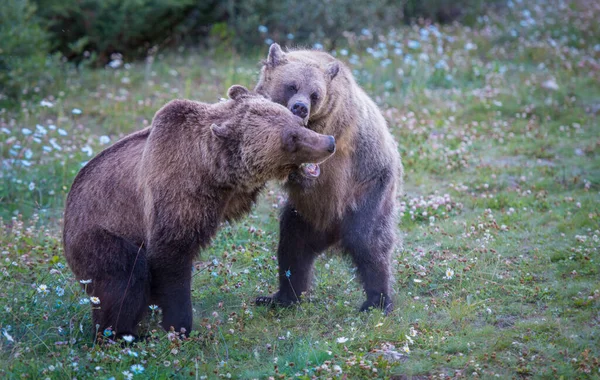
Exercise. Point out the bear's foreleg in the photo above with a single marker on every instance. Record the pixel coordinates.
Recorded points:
(299, 245)
(171, 272)
(171, 278)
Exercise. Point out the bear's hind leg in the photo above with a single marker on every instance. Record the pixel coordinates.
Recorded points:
(372, 260)
(120, 281)
(369, 235)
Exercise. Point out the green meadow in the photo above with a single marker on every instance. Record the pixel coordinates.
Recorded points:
(498, 275)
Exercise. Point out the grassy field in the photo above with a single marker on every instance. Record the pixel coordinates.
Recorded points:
(498, 277)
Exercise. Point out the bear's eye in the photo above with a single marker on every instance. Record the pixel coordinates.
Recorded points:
(314, 96)
(292, 88)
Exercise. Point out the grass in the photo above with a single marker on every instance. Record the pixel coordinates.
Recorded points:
(498, 274)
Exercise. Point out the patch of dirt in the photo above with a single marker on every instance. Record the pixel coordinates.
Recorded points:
(505, 321)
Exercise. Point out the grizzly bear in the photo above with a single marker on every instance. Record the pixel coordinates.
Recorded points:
(138, 213)
(348, 202)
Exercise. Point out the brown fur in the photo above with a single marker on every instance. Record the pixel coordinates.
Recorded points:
(352, 203)
(138, 213)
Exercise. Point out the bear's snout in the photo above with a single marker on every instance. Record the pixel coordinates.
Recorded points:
(331, 148)
(300, 109)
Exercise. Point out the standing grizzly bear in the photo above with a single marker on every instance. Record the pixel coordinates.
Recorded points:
(138, 213)
(352, 202)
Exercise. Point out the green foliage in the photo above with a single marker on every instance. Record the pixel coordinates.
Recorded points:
(443, 10)
(24, 45)
(311, 20)
(327, 22)
(132, 27)
(129, 27)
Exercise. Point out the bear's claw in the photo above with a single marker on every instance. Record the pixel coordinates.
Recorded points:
(264, 301)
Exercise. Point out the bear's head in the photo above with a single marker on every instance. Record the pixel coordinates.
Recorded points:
(303, 81)
(266, 141)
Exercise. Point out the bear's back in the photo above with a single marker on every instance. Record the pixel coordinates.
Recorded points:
(105, 191)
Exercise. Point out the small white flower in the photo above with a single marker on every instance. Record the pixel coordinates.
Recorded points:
(128, 375)
(342, 339)
(45, 103)
(62, 132)
(84, 301)
(414, 44)
(412, 331)
(418, 281)
(104, 140)
(95, 300)
(26, 131)
(409, 339)
(470, 46)
(406, 348)
(87, 150)
(41, 129)
(54, 144)
(7, 335)
(449, 274)
(128, 338)
(263, 29)
(32, 187)
(115, 63)
(337, 369)
(85, 281)
(42, 289)
(60, 291)
(76, 111)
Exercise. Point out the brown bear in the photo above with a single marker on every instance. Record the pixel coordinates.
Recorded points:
(138, 213)
(352, 203)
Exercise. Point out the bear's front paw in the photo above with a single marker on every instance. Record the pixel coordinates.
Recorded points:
(297, 180)
(274, 300)
(263, 301)
(383, 303)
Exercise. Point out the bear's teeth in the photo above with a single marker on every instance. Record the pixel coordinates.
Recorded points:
(311, 170)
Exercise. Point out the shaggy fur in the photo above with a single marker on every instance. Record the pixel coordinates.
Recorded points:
(352, 204)
(138, 213)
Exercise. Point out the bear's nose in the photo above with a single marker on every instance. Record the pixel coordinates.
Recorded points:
(300, 109)
(331, 148)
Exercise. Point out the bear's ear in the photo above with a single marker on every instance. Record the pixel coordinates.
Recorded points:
(276, 56)
(236, 91)
(332, 69)
(221, 131)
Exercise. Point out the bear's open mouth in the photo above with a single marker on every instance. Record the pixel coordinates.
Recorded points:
(310, 170)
